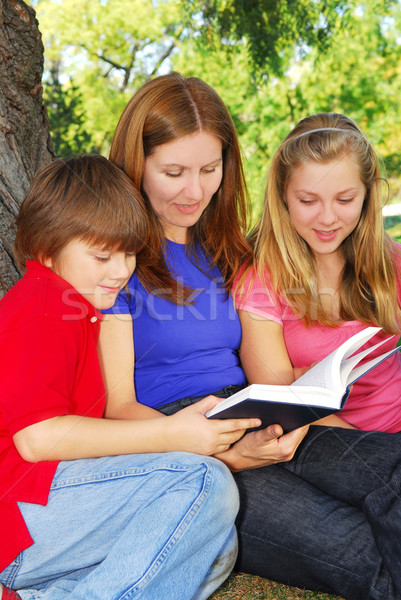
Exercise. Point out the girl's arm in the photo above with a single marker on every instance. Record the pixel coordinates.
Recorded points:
(117, 360)
(71, 437)
(334, 421)
(264, 447)
(265, 358)
(263, 352)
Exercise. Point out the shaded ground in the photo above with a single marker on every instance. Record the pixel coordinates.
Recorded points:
(240, 586)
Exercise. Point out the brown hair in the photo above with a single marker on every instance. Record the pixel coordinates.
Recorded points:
(86, 198)
(368, 290)
(161, 111)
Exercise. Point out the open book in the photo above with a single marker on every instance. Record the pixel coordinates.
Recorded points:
(321, 391)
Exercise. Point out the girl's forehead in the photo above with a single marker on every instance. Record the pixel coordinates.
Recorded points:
(341, 172)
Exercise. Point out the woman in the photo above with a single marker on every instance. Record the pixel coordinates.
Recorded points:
(177, 142)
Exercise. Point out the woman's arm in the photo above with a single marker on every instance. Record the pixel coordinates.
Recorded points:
(72, 437)
(117, 361)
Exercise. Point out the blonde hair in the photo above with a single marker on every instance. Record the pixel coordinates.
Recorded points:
(368, 290)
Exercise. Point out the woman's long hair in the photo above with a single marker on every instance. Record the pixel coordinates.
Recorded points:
(164, 110)
(368, 289)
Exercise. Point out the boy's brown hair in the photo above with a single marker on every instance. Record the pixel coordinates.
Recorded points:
(86, 198)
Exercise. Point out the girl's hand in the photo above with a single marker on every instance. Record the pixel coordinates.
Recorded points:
(190, 430)
(264, 447)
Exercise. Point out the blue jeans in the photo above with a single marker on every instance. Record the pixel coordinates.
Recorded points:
(329, 519)
(146, 526)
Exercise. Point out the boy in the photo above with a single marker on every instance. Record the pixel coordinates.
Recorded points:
(84, 513)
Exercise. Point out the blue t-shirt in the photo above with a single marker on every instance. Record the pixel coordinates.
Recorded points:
(183, 350)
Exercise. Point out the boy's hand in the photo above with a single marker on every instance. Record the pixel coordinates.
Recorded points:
(192, 431)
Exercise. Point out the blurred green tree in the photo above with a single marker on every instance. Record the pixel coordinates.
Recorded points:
(66, 116)
(311, 57)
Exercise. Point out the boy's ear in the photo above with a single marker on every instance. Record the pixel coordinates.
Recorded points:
(48, 262)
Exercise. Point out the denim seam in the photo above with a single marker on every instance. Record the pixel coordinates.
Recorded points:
(174, 538)
(96, 478)
(13, 568)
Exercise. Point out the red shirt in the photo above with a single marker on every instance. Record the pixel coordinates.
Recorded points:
(48, 367)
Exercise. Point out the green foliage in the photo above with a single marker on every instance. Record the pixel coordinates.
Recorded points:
(67, 121)
(271, 29)
(105, 49)
(108, 48)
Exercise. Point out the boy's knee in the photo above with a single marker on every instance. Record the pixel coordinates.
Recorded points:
(223, 490)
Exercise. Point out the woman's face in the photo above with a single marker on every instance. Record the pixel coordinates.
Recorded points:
(325, 202)
(180, 178)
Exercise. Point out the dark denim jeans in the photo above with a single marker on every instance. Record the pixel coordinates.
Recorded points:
(328, 520)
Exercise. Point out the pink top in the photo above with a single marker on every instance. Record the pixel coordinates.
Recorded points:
(375, 400)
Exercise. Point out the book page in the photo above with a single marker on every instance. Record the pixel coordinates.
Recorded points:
(328, 373)
(362, 369)
(347, 366)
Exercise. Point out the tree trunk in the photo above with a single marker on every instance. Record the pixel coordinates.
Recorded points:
(25, 144)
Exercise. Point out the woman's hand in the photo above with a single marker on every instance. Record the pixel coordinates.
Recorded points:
(190, 430)
(263, 447)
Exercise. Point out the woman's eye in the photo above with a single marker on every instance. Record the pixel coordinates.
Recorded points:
(173, 174)
(213, 170)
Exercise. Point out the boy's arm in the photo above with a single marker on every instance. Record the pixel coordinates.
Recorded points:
(117, 360)
(71, 437)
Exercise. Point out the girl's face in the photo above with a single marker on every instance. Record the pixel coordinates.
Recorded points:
(95, 273)
(180, 178)
(325, 202)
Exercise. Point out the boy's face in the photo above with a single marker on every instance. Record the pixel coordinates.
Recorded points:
(97, 274)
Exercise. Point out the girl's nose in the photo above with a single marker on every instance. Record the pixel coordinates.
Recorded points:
(327, 215)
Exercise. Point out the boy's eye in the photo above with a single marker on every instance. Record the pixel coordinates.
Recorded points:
(102, 258)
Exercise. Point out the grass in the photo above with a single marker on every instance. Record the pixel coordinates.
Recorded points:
(240, 586)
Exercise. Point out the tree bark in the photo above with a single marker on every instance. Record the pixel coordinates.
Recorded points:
(25, 144)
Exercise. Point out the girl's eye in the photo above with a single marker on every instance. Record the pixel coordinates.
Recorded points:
(345, 200)
(305, 201)
(173, 174)
(130, 254)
